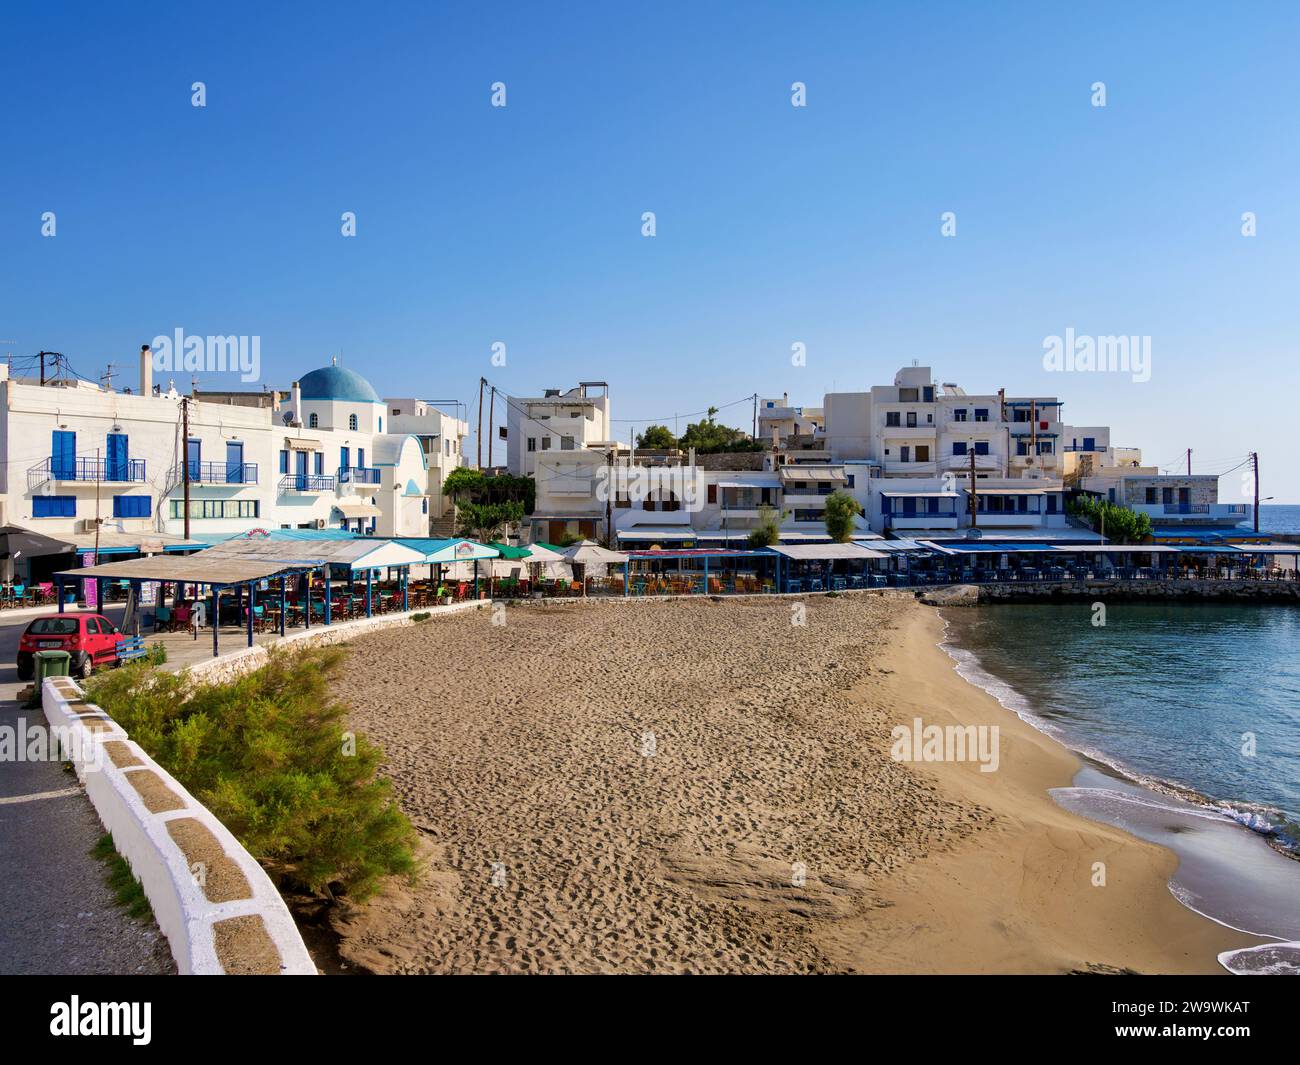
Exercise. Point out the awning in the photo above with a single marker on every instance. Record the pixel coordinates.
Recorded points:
(822, 474)
(648, 532)
(16, 542)
(297, 443)
(1216, 549)
(113, 542)
(895, 546)
(357, 509)
(808, 552)
(361, 553)
(765, 482)
(1110, 549)
(933, 493)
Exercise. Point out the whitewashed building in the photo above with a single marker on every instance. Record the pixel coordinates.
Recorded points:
(79, 458)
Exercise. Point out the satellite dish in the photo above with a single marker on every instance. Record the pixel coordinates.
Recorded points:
(287, 417)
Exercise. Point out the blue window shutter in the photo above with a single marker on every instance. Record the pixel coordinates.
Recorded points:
(54, 507)
(959, 447)
(117, 457)
(284, 462)
(63, 455)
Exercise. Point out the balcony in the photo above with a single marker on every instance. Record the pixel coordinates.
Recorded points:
(86, 470)
(920, 521)
(358, 475)
(909, 432)
(220, 472)
(306, 482)
(915, 469)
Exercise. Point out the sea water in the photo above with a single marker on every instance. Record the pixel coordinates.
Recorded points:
(1190, 717)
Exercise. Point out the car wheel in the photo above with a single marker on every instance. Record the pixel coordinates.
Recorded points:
(26, 672)
(85, 667)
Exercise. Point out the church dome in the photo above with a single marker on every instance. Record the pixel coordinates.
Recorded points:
(339, 384)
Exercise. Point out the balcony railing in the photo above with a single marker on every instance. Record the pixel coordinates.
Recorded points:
(306, 482)
(1186, 508)
(358, 475)
(220, 472)
(122, 471)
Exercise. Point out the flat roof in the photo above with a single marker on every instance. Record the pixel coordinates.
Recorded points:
(454, 549)
(808, 552)
(192, 569)
(360, 553)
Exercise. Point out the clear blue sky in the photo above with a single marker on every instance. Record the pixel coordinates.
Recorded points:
(775, 224)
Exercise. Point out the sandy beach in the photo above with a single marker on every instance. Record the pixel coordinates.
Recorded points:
(707, 786)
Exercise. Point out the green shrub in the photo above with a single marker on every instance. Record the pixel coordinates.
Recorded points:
(127, 890)
(423, 615)
(270, 755)
(155, 654)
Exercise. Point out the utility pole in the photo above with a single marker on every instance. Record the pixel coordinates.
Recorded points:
(492, 407)
(754, 436)
(1033, 429)
(185, 459)
(974, 511)
(609, 493)
(1254, 464)
(1189, 462)
(481, 383)
(101, 605)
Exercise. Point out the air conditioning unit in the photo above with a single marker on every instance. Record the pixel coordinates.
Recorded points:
(87, 525)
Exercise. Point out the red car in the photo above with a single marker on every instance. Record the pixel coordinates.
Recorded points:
(91, 640)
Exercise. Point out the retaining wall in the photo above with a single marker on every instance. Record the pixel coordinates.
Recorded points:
(215, 904)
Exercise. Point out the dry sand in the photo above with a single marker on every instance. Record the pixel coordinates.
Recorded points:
(638, 787)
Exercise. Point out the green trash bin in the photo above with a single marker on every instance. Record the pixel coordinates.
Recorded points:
(51, 664)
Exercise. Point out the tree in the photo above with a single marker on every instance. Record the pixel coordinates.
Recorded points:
(656, 437)
(463, 482)
(1119, 524)
(768, 530)
(484, 522)
(841, 509)
(708, 437)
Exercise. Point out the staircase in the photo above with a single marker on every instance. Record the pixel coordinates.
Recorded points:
(443, 528)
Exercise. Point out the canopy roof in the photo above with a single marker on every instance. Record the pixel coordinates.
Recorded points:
(192, 569)
(356, 508)
(590, 553)
(508, 552)
(762, 482)
(454, 549)
(660, 532)
(931, 493)
(808, 552)
(893, 546)
(360, 553)
(813, 473)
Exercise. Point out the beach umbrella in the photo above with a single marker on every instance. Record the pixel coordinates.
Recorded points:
(16, 542)
(590, 553)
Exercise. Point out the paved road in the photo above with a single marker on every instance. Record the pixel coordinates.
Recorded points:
(57, 914)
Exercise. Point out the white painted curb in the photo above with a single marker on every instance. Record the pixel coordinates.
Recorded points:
(184, 913)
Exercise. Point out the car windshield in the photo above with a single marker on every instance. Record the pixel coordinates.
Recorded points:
(53, 627)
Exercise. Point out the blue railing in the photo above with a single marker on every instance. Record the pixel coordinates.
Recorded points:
(358, 475)
(306, 482)
(223, 472)
(86, 469)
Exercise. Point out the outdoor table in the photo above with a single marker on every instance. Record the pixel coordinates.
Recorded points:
(838, 583)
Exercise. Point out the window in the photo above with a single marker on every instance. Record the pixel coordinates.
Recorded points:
(318, 462)
(1020, 415)
(345, 457)
(981, 447)
(352, 422)
(284, 462)
(851, 476)
(959, 415)
(981, 414)
(546, 443)
(566, 443)
(216, 508)
(908, 395)
(63, 455)
(713, 493)
(1151, 494)
(927, 393)
(922, 452)
(911, 419)
(532, 443)
(54, 506)
(424, 505)
(893, 419)
(1089, 443)
(1051, 504)
(959, 447)
(1166, 495)
(1045, 447)
(361, 456)
(132, 506)
(381, 423)
(313, 422)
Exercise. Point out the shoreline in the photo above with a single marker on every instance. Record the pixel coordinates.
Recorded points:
(1020, 899)
(1215, 846)
(772, 747)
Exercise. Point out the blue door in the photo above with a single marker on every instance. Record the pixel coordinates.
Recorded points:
(194, 458)
(118, 465)
(234, 462)
(63, 455)
(300, 468)
(345, 458)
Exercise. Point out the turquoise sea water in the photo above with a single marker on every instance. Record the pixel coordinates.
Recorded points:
(1276, 518)
(1192, 714)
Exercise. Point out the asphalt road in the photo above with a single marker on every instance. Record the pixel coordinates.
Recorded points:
(57, 914)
